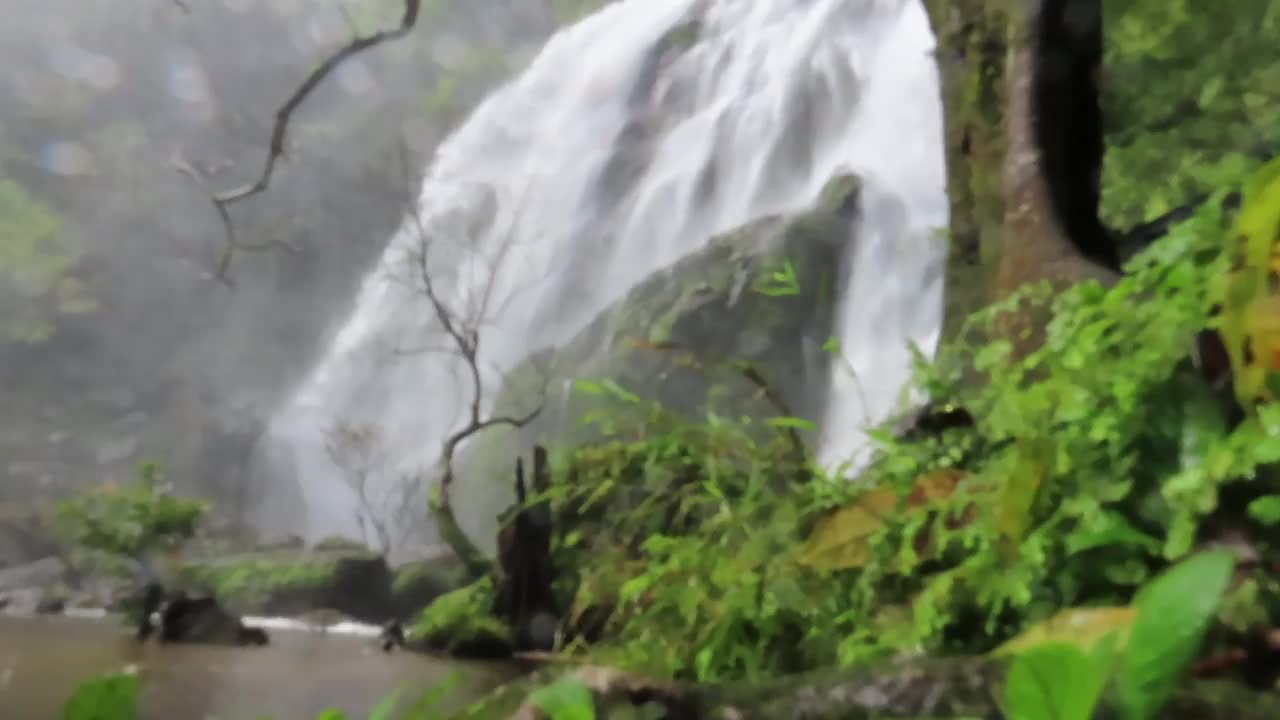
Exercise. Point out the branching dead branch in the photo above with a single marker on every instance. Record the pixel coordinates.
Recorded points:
(279, 132)
(462, 330)
(358, 451)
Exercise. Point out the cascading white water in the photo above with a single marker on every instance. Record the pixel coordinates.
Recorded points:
(622, 148)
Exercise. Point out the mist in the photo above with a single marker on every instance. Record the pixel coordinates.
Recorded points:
(119, 339)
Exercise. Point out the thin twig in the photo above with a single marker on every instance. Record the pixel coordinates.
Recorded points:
(279, 132)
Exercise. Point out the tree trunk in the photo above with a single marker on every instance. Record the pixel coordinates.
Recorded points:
(1005, 231)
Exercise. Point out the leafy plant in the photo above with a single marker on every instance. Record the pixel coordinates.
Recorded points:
(1059, 681)
(460, 615)
(1091, 461)
(131, 520)
(110, 697)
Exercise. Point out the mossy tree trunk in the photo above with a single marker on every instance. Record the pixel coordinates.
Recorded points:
(972, 55)
(1004, 232)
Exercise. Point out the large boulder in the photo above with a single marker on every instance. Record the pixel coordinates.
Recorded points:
(763, 295)
(417, 584)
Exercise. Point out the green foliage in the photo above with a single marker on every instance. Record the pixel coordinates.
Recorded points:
(1266, 510)
(249, 582)
(565, 699)
(1174, 613)
(1053, 682)
(1096, 455)
(682, 531)
(110, 697)
(461, 615)
(130, 520)
(1191, 93)
(778, 282)
(1124, 446)
(1058, 681)
(36, 262)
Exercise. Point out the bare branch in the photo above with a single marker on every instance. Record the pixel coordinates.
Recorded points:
(279, 133)
(462, 328)
(359, 452)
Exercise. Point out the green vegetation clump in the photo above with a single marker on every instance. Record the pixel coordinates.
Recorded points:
(458, 617)
(1192, 97)
(1098, 455)
(129, 521)
(258, 582)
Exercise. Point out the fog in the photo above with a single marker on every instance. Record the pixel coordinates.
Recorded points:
(118, 343)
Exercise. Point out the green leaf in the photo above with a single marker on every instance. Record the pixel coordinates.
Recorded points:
(565, 699)
(1174, 612)
(331, 714)
(1053, 682)
(1266, 510)
(1106, 528)
(1210, 91)
(111, 697)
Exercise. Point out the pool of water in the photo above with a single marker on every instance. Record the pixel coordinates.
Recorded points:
(301, 672)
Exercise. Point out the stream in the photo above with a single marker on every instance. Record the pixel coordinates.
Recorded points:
(301, 673)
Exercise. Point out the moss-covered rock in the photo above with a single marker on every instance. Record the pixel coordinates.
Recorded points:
(461, 623)
(417, 584)
(763, 295)
(356, 584)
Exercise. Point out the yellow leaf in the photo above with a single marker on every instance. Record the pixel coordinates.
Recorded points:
(1081, 627)
(1251, 309)
(1018, 493)
(839, 540)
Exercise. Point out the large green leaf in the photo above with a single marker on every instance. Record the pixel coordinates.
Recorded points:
(1056, 681)
(1174, 612)
(111, 697)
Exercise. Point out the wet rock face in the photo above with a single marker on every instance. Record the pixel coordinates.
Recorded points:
(418, 583)
(37, 574)
(762, 294)
(361, 587)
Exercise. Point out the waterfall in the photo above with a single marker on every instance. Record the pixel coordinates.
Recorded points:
(631, 139)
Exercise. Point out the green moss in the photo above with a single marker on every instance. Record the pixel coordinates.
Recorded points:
(459, 617)
(445, 574)
(972, 54)
(258, 583)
